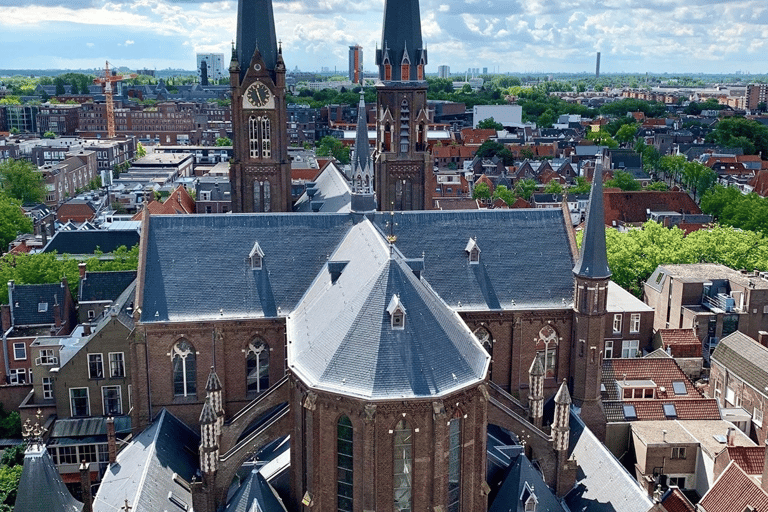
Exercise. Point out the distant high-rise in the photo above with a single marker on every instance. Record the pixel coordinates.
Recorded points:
(214, 65)
(443, 71)
(597, 66)
(485, 71)
(355, 63)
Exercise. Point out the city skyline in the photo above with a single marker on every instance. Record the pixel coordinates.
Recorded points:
(671, 36)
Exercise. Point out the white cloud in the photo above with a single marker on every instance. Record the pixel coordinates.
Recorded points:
(128, 42)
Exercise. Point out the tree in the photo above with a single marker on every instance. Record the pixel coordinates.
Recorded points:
(739, 132)
(553, 187)
(657, 185)
(525, 188)
(732, 208)
(140, 150)
(624, 181)
(602, 138)
(503, 193)
(698, 177)
(59, 86)
(581, 186)
(74, 89)
(331, 146)
(19, 179)
(481, 191)
(49, 135)
(762, 106)
(223, 141)
(13, 222)
(489, 124)
(626, 133)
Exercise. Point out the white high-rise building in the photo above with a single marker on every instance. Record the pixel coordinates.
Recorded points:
(443, 71)
(214, 65)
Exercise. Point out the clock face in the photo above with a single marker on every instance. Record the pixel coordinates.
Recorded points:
(258, 95)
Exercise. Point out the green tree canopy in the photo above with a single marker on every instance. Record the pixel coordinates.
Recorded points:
(581, 186)
(223, 141)
(331, 146)
(525, 188)
(698, 178)
(20, 180)
(744, 133)
(49, 135)
(490, 124)
(657, 185)
(732, 208)
(626, 133)
(553, 187)
(602, 138)
(503, 193)
(481, 191)
(624, 181)
(13, 222)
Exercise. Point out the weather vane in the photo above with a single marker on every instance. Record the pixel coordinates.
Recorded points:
(392, 238)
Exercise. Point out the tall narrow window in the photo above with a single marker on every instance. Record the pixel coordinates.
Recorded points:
(253, 136)
(403, 467)
(95, 366)
(266, 138)
(257, 196)
(344, 464)
(454, 465)
(267, 196)
(257, 367)
(78, 399)
(405, 127)
(116, 364)
(112, 400)
(184, 369)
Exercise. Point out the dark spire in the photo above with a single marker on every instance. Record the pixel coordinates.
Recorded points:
(593, 262)
(401, 33)
(362, 161)
(256, 29)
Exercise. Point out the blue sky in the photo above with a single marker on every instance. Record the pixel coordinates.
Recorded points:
(672, 36)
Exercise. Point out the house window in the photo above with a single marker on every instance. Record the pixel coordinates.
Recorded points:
(111, 398)
(344, 464)
(42, 307)
(630, 414)
(730, 396)
(78, 399)
(397, 313)
(19, 351)
(95, 366)
(634, 322)
(47, 388)
(184, 369)
(629, 348)
(68, 455)
(116, 364)
(608, 349)
(454, 465)
(257, 367)
(18, 376)
(678, 452)
(403, 467)
(757, 417)
(256, 255)
(46, 357)
(677, 481)
(87, 453)
(617, 322)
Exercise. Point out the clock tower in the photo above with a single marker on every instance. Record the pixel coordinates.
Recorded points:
(260, 173)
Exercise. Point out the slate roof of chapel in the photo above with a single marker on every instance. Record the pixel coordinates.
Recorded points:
(341, 338)
(525, 260)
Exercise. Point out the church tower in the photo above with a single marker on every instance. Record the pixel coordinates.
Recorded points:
(363, 199)
(260, 174)
(591, 275)
(402, 162)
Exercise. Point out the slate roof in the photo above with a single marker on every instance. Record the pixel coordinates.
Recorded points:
(401, 33)
(744, 357)
(41, 487)
(602, 483)
(341, 337)
(593, 260)
(520, 473)
(256, 29)
(87, 242)
(144, 472)
(102, 286)
(296, 246)
(27, 299)
(733, 491)
(333, 193)
(85, 427)
(255, 489)
(526, 260)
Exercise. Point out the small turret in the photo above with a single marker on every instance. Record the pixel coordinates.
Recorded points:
(560, 426)
(209, 440)
(536, 393)
(213, 390)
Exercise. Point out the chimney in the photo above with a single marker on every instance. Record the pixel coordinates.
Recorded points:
(111, 440)
(762, 338)
(731, 436)
(86, 329)
(764, 480)
(82, 268)
(85, 486)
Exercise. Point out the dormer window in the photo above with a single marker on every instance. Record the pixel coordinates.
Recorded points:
(473, 251)
(529, 499)
(256, 257)
(396, 313)
(405, 67)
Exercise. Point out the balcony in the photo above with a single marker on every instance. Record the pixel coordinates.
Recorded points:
(720, 301)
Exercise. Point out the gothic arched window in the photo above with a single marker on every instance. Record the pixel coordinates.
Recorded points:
(257, 366)
(344, 464)
(253, 136)
(546, 350)
(403, 467)
(184, 369)
(256, 196)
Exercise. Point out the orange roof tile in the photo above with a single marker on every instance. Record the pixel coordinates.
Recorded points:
(749, 458)
(675, 501)
(733, 492)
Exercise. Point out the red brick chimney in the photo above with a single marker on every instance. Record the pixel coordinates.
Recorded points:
(111, 440)
(762, 338)
(731, 436)
(82, 267)
(85, 486)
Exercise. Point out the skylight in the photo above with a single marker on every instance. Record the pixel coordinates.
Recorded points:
(630, 413)
(679, 387)
(669, 411)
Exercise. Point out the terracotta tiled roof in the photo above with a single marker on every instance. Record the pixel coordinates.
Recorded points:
(632, 206)
(653, 410)
(733, 492)
(521, 203)
(661, 371)
(683, 342)
(749, 458)
(760, 183)
(304, 174)
(475, 137)
(675, 501)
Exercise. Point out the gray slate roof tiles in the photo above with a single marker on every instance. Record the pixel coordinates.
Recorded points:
(28, 300)
(341, 338)
(744, 357)
(87, 242)
(41, 487)
(98, 286)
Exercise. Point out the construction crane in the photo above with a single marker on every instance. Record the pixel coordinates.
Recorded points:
(106, 82)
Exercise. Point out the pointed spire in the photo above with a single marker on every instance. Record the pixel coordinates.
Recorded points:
(401, 34)
(213, 383)
(256, 29)
(537, 369)
(563, 397)
(207, 415)
(362, 162)
(593, 262)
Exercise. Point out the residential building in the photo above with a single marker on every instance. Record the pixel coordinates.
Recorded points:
(212, 195)
(22, 118)
(61, 119)
(684, 347)
(755, 95)
(629, 325)
(739, 380)
(712, 299)
(98, 290)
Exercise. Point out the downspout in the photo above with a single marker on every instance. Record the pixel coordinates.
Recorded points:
(6, 333)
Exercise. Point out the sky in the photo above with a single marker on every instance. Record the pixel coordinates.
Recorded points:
(517, 36)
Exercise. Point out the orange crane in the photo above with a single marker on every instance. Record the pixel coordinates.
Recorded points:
(106, 82)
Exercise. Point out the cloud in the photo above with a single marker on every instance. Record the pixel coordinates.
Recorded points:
(128, 42)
